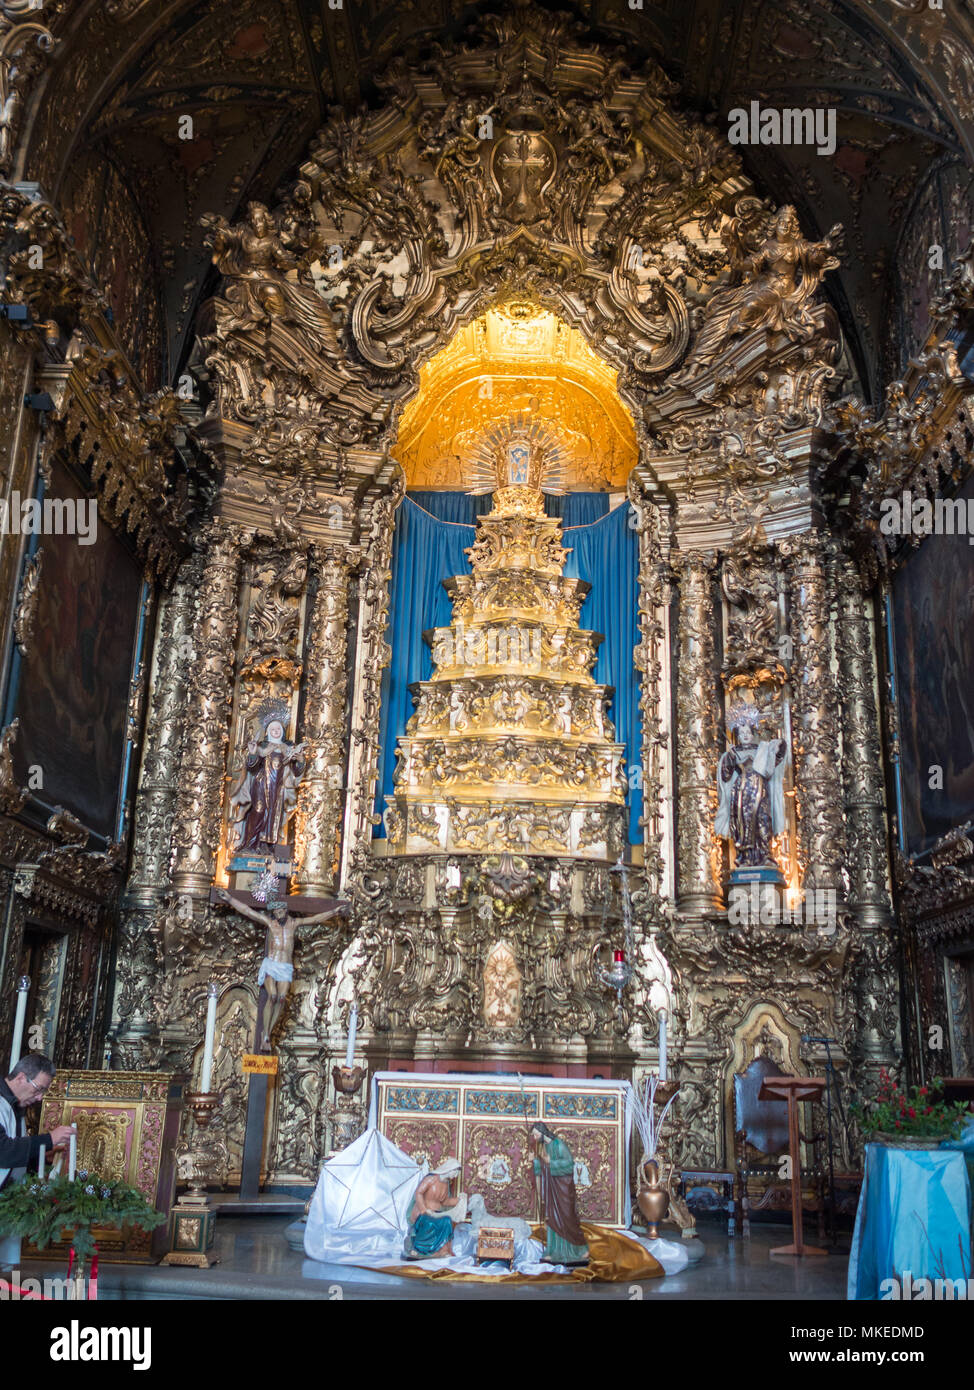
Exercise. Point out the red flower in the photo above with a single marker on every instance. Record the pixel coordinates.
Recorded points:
(929, 1110)
(898, 1125)
(913, 1113)
(923, 1090)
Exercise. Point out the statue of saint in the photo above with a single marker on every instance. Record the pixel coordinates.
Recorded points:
(277, 967)
(433, 1213)
(751, 799)
(265, 795)
(554, 1176)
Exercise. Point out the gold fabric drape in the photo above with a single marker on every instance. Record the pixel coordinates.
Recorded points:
(614, 1258)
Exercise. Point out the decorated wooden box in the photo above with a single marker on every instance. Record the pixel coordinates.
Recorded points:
(484, 1121)
(128, 1123)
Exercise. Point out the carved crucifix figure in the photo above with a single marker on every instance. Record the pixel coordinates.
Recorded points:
(277, 967)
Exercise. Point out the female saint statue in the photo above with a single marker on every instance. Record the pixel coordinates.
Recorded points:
(264, 797)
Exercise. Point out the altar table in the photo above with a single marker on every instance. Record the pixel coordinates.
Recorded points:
(914, 1217)
(480, 1119)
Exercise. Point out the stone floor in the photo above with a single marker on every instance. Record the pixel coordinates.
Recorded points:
(255, 1262)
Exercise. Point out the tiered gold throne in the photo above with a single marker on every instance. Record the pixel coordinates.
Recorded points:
(510, 747)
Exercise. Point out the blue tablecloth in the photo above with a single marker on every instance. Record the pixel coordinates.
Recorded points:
(914, 1217)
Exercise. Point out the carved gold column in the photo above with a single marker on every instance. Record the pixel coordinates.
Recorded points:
(696, 736)
(815, 727)
(372, 655)
(861, 753)
(206, 713)
(651, 656)
(320, 793)
(171, 661)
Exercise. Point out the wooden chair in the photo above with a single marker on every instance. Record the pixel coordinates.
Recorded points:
(720, 1183)
(761, 1142)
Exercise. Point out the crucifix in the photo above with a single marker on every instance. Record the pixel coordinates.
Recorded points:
(280, 923)
(524, 161)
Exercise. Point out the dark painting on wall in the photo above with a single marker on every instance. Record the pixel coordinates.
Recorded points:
(933, 626)
(73, 691)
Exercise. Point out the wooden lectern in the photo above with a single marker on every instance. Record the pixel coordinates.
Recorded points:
(794, 1090)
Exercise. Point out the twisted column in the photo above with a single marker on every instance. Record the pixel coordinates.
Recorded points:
(815, 725)
(172, 656)
(206, 712)
(698, 887)
(861, 752)
(320, 793)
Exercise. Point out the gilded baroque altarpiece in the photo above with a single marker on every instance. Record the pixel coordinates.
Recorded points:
(524, 208)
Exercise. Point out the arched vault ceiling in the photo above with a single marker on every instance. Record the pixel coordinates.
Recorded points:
(258, 77)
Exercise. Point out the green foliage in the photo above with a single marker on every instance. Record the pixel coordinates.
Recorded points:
(45, 1210)
(920, 1110)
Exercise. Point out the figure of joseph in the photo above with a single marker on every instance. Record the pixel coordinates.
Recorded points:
(554, 1173)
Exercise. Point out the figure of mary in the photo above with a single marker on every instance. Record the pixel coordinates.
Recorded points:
(265, 795)
(430, 1233)
(554, 1173)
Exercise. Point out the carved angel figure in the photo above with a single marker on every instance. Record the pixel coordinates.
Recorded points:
(781, 271)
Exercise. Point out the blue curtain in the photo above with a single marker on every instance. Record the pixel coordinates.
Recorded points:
(425, 551)
(578, 508)
(575, 509)
(432, 531)
(458, 507)
(607, 555)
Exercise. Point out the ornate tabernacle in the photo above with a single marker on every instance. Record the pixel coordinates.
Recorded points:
(128, 1123)
(485, 1121)
(510, 747)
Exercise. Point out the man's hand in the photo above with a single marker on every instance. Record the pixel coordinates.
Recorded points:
(61, 1135)
(224, 895)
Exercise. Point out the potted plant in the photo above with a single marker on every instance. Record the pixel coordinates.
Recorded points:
(916, 1118)
(44, 1210)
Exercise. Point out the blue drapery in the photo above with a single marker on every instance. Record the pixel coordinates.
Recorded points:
(575, 509)
(607, 555)
(914, 1216)
(432, 531)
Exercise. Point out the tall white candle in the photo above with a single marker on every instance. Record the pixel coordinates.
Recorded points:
(662, 1044)
(72, 1156)
(352, 1030)
(40, 1162)
(207, 1073)
(23, 985)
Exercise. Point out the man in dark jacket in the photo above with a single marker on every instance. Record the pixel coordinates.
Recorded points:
(25, 1086)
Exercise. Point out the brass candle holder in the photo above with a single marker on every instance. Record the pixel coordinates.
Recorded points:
(346, 1113)
(200, 1161)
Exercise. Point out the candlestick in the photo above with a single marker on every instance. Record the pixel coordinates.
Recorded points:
(23, 985)
(72, 1156)
(662, 1044)
(207, 1072)
(352, 1030)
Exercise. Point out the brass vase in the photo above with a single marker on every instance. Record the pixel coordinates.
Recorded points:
(652, 1198)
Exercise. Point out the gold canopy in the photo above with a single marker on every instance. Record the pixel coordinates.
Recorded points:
(517, 361)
